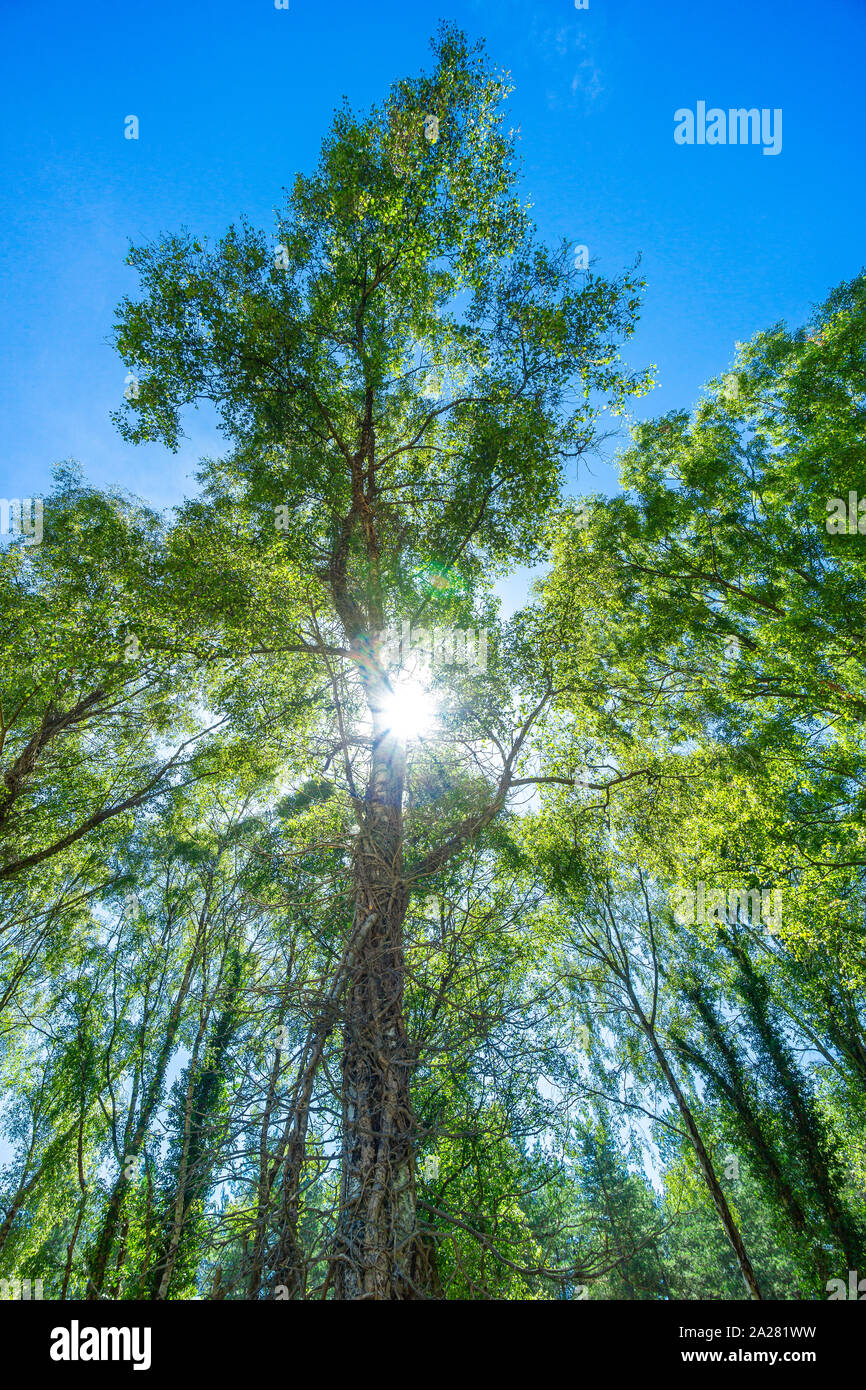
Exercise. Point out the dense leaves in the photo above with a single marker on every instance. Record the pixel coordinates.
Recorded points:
(557, 997)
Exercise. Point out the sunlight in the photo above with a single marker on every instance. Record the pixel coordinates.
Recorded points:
(410, 712)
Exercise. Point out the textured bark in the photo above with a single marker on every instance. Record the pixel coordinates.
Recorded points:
(377, 1248)
(286, 1259)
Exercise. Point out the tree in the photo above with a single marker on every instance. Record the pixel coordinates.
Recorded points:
(84, 701)
(404, 257)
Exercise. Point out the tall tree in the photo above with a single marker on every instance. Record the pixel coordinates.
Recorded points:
(395, 376)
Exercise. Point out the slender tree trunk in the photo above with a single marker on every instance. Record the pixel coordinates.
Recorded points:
(732, 1085)
(165, 1265)
(70, 1248)
(719, 1200)
(82, 1183)
(266, 1177)
(289, 1266)
(806, 1128)
(287, 1260)
(149, 1104)
(121, 1258)
(201, 1136)
(26, 1185)
(16, 1204)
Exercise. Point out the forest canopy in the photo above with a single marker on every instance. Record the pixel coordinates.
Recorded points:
(357, 942)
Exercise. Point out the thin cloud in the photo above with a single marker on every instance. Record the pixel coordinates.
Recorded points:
(558, 47)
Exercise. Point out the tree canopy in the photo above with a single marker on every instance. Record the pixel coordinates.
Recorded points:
(356, 943)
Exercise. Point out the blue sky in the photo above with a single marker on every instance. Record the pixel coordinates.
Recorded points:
(233, 96)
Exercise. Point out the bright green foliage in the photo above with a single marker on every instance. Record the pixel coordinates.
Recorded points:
(608, 1100)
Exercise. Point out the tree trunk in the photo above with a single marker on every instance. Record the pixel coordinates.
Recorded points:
(108, 1230)
(732, 1086)
(719, 1200)
(805, 1126)
(287, 1258)
(377, 1247)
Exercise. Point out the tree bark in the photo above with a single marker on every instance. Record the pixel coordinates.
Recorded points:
(378, 1255)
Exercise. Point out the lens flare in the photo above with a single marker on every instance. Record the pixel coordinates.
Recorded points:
(410, 711)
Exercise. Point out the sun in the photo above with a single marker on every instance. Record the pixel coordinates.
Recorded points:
(409, 712)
